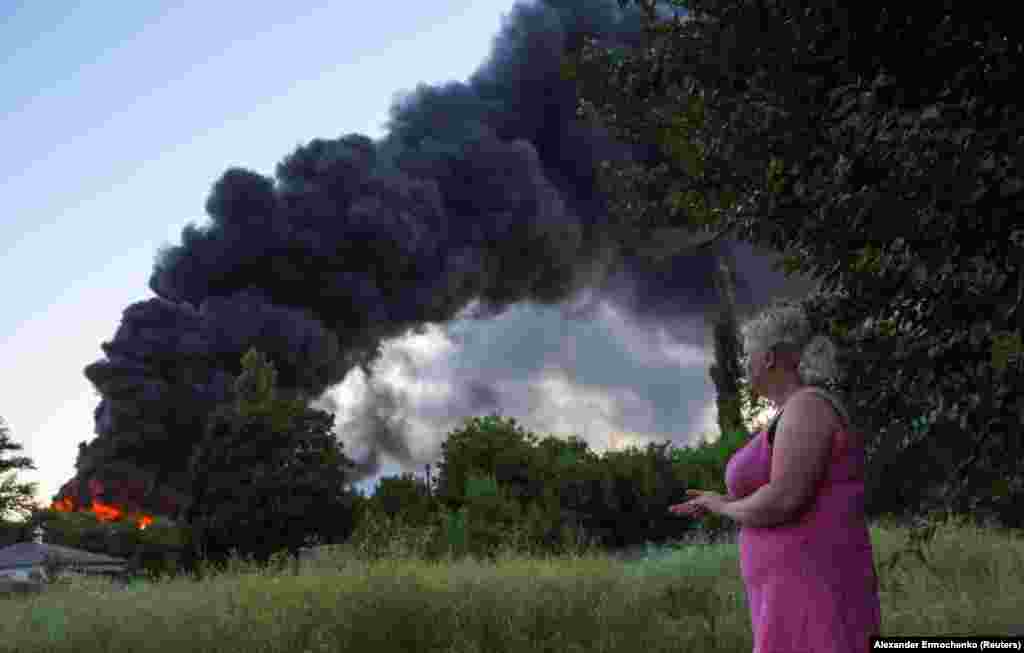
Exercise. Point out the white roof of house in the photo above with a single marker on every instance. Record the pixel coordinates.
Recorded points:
(30, 554)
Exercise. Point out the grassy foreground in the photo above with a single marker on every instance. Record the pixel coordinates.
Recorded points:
(689, 598)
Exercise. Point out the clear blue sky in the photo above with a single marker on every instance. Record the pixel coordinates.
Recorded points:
(104, 103)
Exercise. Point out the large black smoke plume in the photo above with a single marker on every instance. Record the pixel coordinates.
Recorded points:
(483, 190)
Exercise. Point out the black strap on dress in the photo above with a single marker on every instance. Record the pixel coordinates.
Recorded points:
(771, 429)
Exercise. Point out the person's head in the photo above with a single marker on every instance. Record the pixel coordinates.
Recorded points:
(781, 354)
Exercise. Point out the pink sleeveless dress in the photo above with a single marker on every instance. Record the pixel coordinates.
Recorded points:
(811, 584)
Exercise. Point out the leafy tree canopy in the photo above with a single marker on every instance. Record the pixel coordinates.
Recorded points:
(17, 498)
(878, 144)
(268, 472)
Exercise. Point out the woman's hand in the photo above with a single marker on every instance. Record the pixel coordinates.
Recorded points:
(704, 503)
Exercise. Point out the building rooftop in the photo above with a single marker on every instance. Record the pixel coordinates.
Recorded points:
(30, 554)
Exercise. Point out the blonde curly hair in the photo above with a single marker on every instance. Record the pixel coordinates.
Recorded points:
(784, 322)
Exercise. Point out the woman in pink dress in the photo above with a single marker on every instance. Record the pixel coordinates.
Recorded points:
(797, 491)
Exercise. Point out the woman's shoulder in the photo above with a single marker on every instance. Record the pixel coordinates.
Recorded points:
(836, 419)
(839, 413)
(849, 435)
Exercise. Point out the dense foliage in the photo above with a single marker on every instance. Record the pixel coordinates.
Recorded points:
(16, 498)
(269, 473)
(879, 145)
(496, 478)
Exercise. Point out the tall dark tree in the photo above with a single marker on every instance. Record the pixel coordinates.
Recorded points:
(17, 498)
(269, 473)
(727, 372)
(879, 144)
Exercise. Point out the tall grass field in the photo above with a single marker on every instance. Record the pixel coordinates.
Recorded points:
(685, 597)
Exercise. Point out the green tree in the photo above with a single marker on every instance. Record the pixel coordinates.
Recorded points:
(490, 447)
(404, 496)
(727, 372)
(876, 144)
(269, 473)
(559, 487)
(17, 498)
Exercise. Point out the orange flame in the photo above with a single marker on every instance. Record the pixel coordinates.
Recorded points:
(106, 512)
(103, 511)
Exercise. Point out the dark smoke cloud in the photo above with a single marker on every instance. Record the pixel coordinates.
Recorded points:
(483, 190)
